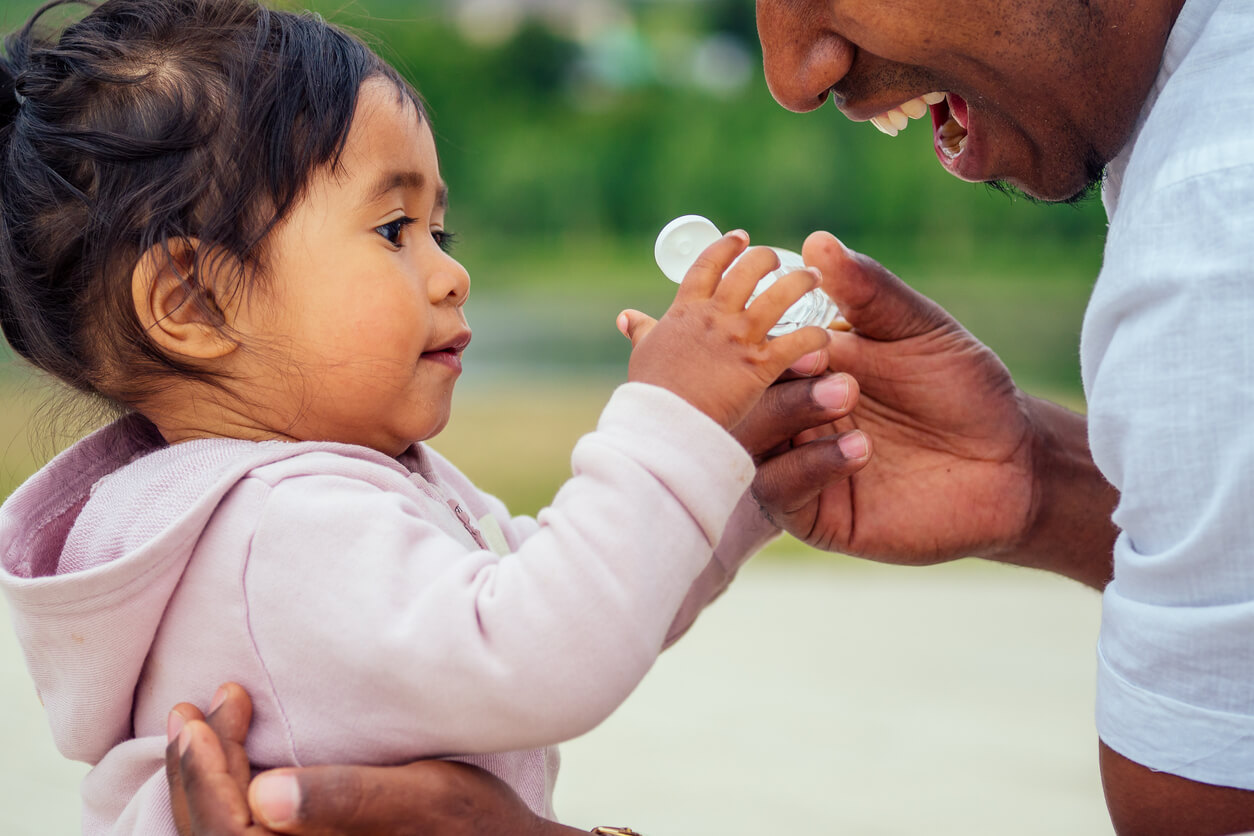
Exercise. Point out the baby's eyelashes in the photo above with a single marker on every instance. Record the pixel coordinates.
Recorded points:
(392, 230)
(444, 239)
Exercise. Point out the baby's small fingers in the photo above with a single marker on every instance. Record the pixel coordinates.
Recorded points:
(810, 365)
(787, 349)
(634, 325)
(703, 277)
(742, 279)
(766, 311)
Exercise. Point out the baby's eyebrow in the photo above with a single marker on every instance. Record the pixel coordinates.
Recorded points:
(406, 180)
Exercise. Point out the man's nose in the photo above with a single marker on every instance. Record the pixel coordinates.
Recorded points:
(802, 56)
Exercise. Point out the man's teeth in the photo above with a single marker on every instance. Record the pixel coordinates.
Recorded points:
(915, 108)
(953, 138)
(894, 121)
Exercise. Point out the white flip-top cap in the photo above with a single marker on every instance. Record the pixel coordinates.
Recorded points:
(680, 242)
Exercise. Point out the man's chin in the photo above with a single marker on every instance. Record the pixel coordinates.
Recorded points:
(1086, 183)
(1089, 190)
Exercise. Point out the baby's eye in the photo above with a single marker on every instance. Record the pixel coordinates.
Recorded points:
(444, 239)
(392, 231)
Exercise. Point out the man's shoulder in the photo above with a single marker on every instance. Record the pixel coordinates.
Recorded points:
(1202, 123)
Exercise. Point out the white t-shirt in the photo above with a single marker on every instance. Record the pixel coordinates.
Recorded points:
(1168, 361)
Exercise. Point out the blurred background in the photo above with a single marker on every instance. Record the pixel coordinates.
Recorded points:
(821, 692)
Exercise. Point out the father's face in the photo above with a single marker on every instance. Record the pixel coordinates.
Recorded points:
(1038, 93)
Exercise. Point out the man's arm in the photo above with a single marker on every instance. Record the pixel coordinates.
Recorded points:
(1147, 803)
(1070, 531)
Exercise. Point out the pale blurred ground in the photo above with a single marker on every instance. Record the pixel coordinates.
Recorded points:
(815, 697)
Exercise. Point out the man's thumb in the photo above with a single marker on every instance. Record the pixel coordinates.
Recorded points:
(874, 301)
(635, 325)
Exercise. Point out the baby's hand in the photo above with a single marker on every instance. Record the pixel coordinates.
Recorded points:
(709, 348)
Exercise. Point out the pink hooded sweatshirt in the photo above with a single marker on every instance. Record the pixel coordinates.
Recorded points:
(378, 610)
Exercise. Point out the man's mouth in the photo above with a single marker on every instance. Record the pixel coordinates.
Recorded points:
(949, 122)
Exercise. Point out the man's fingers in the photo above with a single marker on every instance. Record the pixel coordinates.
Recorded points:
(423, 798)
(634, 325)
(794, 478)
(214, 802)
(230, 715)
(340, 801)
(179, 716)
(876, 303)
(789, 408)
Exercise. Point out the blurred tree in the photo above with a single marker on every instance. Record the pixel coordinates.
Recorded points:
(530, 153)
(535, 62)
(735, 17)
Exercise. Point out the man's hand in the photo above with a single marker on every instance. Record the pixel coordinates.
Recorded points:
(207, 768)
(964, 463)
(211, 794)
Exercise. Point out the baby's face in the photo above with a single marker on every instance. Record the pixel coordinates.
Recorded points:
(359, 327)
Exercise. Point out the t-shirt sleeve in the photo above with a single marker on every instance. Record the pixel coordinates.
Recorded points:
(1170, 406)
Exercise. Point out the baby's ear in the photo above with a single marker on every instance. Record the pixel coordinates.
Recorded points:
(176, 302)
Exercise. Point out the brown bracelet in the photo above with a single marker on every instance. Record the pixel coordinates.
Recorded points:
(614, 831)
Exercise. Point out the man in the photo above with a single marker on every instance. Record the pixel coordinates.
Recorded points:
(1154, 489)
(1043, 94)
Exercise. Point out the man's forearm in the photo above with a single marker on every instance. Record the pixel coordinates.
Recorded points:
(1071, 532)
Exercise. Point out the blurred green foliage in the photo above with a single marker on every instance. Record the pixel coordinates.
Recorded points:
(537, 150)
(532, 150)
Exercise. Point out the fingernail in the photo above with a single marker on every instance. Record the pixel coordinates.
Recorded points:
(738, 233)
(218, 698)
(276, 798)
(622, 322)
(816, 272)
(173, 725)
(832, 392)
(185, 739)
(809, 364)
(853, 445)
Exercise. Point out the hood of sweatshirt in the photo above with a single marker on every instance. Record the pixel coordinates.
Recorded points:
(91, 549)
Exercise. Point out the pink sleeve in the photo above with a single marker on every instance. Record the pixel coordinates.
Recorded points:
(746, 533)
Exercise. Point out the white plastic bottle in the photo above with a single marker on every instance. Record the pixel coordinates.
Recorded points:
(683, 239)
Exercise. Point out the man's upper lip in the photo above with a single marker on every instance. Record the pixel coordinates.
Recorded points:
(456, 344)
(864, 110)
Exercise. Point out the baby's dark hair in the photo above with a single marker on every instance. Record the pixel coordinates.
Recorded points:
(146, 124)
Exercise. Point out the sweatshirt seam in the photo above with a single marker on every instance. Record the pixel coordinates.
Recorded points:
(252, 638)
(46, 518)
